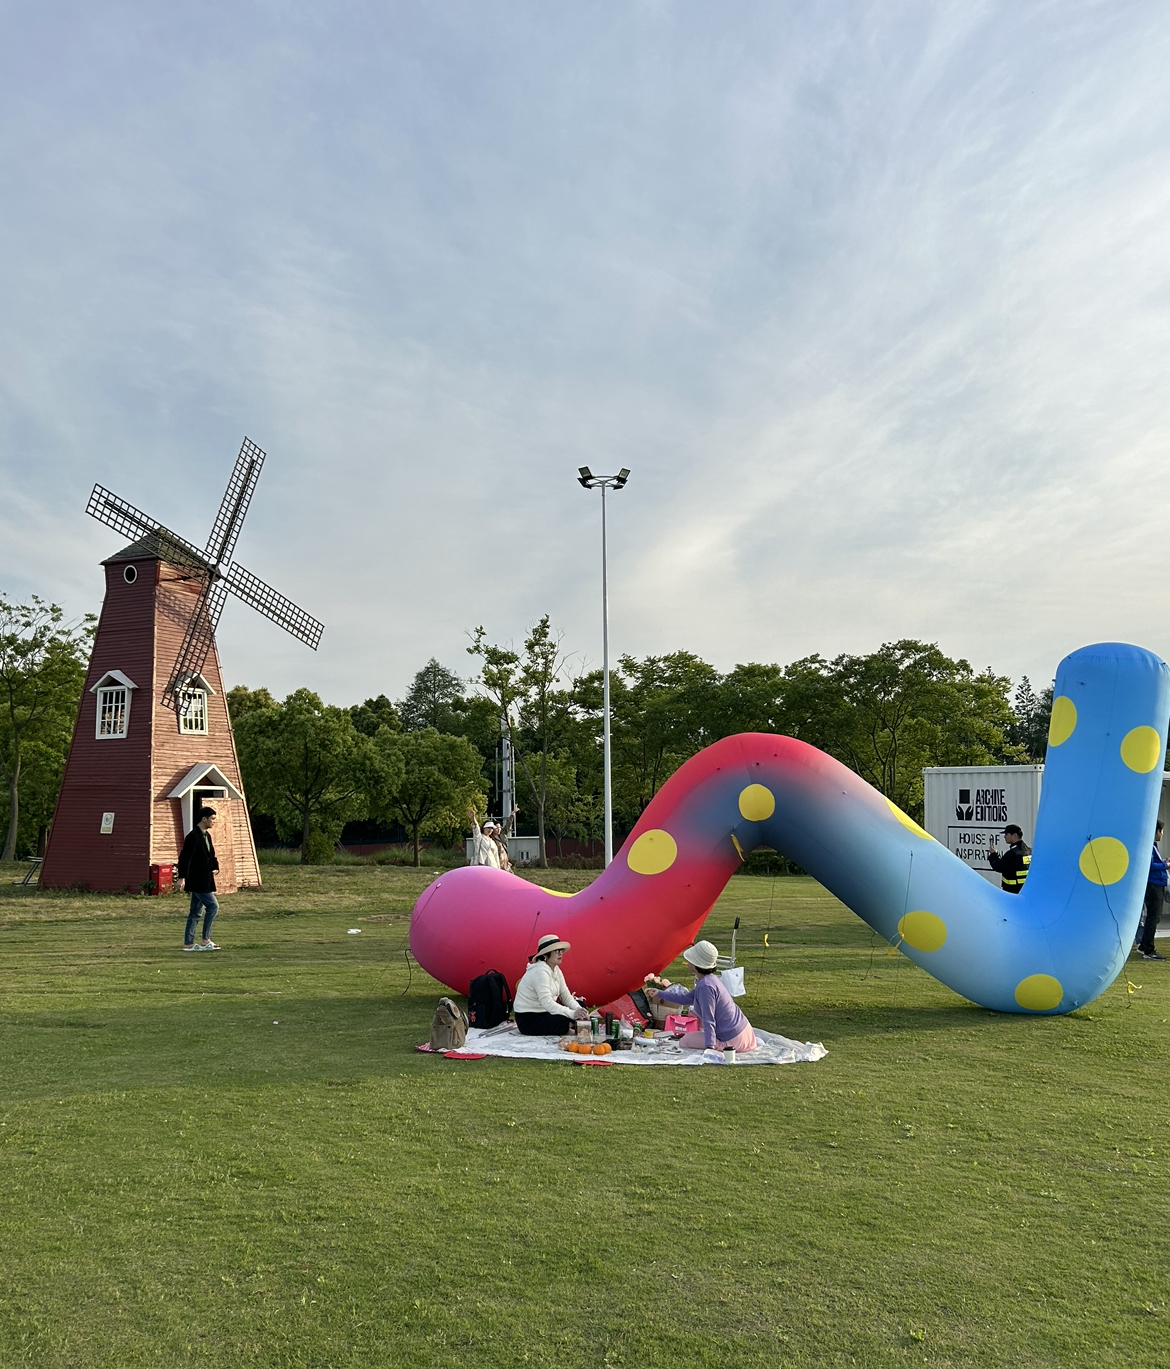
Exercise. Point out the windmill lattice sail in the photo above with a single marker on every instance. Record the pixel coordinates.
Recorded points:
(123, 517)
(237, 497)
(208, 566)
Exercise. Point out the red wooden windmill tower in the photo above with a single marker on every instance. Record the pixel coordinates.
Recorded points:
(153, 739)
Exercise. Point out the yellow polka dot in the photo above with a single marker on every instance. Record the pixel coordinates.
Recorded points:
(652, 853)
(1039, 992)
(1104, 860)
(908, 822)
(1063, 721)
(756, 803)
(923, 931)
(1142, 749)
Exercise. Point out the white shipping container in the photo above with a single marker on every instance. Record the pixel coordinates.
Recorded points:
(965, 806)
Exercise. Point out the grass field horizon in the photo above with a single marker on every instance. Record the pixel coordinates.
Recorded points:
(238, 1159)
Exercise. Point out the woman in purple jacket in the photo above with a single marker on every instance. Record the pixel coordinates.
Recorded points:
(723, 1025)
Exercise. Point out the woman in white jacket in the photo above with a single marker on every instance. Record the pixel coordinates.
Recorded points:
(543, 1005)
(484, 850)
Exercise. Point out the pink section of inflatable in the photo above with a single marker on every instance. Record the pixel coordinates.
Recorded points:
(476, 919)
(637, 915)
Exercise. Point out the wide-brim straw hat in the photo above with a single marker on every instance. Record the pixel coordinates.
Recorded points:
(702, 955)
(549, 942)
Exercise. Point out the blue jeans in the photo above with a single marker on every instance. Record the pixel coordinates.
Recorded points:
(210, 905)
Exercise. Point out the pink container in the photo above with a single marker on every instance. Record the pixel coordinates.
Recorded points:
(674, 1023)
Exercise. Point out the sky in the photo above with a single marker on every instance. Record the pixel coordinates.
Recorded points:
(873, 299)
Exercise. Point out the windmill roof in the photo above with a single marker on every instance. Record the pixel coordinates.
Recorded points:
(158, 545)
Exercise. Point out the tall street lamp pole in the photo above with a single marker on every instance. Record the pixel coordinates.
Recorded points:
(603, 483)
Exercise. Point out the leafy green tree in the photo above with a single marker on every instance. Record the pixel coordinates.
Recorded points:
(306, 764)
(663, 709)
(750, 698)
(42, 670)
(889, 714)
(535, 712)
(477, 719)
(427, 781)
(374, 714)
(433, 699)
(573, 807)
(1033, 712)
(241, 700)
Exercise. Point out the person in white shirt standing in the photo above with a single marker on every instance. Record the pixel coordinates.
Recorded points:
(543, 1005)
(484, 850)
(500, 836)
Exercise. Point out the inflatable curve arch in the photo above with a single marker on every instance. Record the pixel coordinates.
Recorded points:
(1050, 949)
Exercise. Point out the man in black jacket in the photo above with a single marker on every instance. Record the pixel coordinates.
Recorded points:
(1013, 864)
(197, 867)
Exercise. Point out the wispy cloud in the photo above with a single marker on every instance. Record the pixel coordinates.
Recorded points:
(873, 299)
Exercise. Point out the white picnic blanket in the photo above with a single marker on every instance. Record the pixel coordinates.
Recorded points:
(506, 1040)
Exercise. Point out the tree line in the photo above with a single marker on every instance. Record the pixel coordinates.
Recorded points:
(420, 762)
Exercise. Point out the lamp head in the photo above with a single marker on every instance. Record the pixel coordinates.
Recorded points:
(585, 477)
(622, 476)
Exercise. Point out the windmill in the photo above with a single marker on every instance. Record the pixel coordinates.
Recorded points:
(132, 784)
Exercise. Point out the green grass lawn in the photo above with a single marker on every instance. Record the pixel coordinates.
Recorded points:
(237, 1159)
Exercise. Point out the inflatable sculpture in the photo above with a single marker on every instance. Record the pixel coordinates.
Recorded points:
(1049, 949)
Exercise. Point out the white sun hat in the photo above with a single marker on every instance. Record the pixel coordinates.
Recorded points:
(702, 955)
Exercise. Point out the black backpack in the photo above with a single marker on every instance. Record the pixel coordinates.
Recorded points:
(489, 1000)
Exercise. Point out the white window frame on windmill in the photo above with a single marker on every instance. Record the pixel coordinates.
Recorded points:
(114, 692)
(192, 694)
(201, 781)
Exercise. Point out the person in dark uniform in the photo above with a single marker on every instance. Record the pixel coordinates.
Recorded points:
(1155, 896)
(197, 867)
(1013, 864)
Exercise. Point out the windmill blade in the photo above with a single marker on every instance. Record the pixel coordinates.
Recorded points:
(264, 599)
(236, 499)
(197, 641)
(116, 513)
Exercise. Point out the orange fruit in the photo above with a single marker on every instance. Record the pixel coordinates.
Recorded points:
(601, 1049)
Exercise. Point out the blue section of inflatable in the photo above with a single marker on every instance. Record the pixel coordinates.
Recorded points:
(1064, 938)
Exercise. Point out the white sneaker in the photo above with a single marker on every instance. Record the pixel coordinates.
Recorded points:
(208, 946)
(190, 948)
